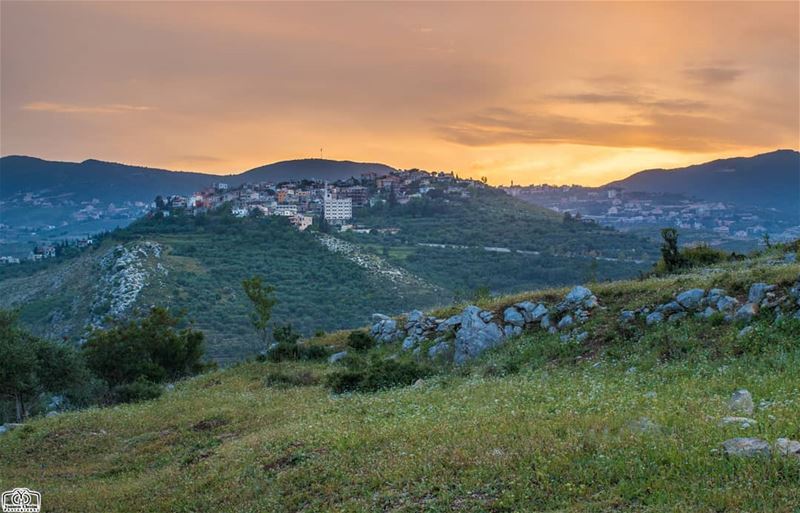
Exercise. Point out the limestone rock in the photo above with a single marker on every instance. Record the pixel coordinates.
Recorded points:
(690, 299)
(512, 316)
(741, 401)
(746, 447)
(475, 335)
(746, 312)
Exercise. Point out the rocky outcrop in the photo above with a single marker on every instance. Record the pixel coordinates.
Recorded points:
(475, 335)
(746, 447)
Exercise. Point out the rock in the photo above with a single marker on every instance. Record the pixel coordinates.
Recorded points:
(591, 302)
(581, 337)
(409, 343)
(486, 315)
(385, 331)
(510, 330)
(790, 258)
(670, 308)
(53, 414)
(654, 318)
(8, 426)
(414, 318)
(449, 324)
(577, 295)
(627, 316)
(538, 313)
(744, 331)
(546, 323)
(475, 335)
(438, 350)
(746, 447)
(741, 401)
(758, 292)
(337, 357)
(677, 316)
(581, 315)
(526, 308)
(690, 299)
(650, 395)
(715, 294)
(727, 303)
(565, 322)
(708, 312)
(512, 316)
(746, 312)
(787, 447)
(377, 317)
(743, 422)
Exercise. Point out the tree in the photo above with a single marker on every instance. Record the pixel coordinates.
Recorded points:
(285, 334)
(263, 299)
(670, 253)
(160, 204)
(152, 349)
(32, 366)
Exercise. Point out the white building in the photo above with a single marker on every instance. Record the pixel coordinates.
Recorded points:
(301, 222)
(337, 209)
(285, 210)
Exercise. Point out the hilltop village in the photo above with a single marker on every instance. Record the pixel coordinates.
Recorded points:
(305, 202)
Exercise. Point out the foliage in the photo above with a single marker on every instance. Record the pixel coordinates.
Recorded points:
(292, 351)
(33, 366)
(263, 300)
(154, 349)
(285, 334)
(377, 374)
(670, 254)
(139, 390)
(360, 340)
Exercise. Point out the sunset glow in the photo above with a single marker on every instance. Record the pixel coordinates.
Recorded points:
(537, 92)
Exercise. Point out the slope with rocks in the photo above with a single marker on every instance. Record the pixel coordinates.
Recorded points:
(693, 413)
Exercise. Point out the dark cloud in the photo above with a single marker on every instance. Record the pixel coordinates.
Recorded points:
(714, 75)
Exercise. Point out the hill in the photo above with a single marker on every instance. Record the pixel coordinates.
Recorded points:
(630, 418)
(770, 180)
(197, 263)
(318, 169)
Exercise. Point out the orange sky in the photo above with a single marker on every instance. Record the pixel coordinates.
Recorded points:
(535, 92)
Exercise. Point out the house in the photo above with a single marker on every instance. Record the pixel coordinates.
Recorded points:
(47, 251)
(301, 222)
(357, 194)
(285, 210)
(337, 209)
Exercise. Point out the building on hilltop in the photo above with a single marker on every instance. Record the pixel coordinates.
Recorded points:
(336, 210)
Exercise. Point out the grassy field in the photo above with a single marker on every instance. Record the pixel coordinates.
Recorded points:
(627, 421)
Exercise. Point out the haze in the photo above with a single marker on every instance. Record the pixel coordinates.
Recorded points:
(538, 92)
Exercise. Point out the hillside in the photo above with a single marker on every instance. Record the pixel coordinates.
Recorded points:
(770, 180)
(631, 417)
(196, 264)
(318, 169)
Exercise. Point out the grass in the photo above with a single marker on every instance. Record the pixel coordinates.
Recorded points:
(537, 425)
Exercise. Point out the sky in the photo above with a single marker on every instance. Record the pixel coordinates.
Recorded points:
(556, 93)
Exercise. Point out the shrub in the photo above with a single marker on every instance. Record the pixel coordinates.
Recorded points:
(286, 351)
(140, 390)
(360, 340)
(282, 379)
(377, 375)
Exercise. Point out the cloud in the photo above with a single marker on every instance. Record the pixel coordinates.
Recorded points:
(662, 130)
(640, 101)
(714, 75)
(66, 108)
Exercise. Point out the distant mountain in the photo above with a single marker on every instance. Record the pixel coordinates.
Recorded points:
(112, 182)
(106, 181)
(770, 180)
(319, 169)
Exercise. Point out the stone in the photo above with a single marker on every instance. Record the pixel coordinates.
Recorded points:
(582, 336)
(715, 294)
(787, 447)
(654, 318)
(409, 343)
(670, 308)
(743, 422)
(565, 322)
(449, 324)
(758, 292)
(627, 316)
(690, 299)
(486, 315)
(708, 312)
(677, 316)
(475, 335)
(577, 295)
(511, 331)
(746, 447)
(512, 316)
(414, 318)
(526, 308)
(741, 401)
(538, 313)
(545, 322)
(591, 302)
(746, 312)
(438, 350)
(744, 331)
(337, 357)
(727, 303)
(377, 317)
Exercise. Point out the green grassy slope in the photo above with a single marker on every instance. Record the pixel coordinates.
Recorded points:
(536, 425)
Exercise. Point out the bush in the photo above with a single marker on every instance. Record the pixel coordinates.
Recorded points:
(281, 379)
(140, 390)
(376, 375)
(360, 340)
(286, 351)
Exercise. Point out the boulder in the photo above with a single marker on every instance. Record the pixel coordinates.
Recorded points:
(787, 447)
(746, 312)
(546, 323)
(690, 299)
(486, 315)
(744, 332)
(577, 295)
(475, 335)
(449, 323)
(627, 316)
(708, 312)
(538, 313)
(670, 308)
(414, 318)
(677, 316)
(377, 317)
(385, 331)
(741, 401)
(510, 330)
(565, 322)
(337, 357)
(758, 292)
(512, 316)
(582, 336)
(727, 304)
(654, 318)
(410, 343)
(439, 350)
(746, 447)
